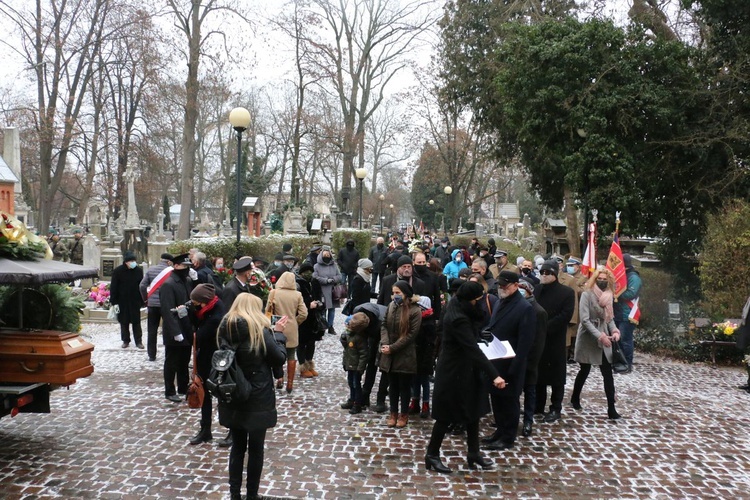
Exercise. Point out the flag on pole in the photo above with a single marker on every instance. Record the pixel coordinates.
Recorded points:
(616, 265)
(158, 281)
(421, 227)
(589, 258)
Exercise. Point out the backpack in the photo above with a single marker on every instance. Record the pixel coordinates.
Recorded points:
(226, 381)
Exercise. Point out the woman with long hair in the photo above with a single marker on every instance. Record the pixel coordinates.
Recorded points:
(398, 354)
(596, 332)
(258, 350)
(460, 394)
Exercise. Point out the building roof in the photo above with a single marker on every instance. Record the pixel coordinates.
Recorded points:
(6, 174)
(510, 210)
(556, 223)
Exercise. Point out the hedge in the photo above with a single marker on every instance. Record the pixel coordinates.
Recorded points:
(264, 247)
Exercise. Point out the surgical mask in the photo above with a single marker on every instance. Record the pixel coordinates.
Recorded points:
(289, 265)
(277, 263)
(570, 270)
(444, 245)
(602, 285)
(398, 300)
(523, 291)
(132, 264)
(458, 258)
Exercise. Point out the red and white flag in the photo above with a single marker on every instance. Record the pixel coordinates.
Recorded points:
(158, 281)
(616, 265)
(589, 257)
(635, 310)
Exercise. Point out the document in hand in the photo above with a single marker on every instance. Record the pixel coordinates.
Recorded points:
(497, 349)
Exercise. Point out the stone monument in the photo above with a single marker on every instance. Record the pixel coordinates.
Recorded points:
(294, 222)
(92, 256)
(134, 239)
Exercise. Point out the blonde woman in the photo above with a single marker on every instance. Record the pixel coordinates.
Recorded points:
(596, 332)
(285, 300)
(258, 351)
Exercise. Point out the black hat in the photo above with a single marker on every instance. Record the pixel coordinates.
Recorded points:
(316, 248)
(306, 266)
(444, 239)
(243, 264)
(507, 277)
(491, 241)
(464, 272)
(128, 256)
(551, 265)
(182, 259)
(167, 256)
(278, 256)
(405, 287)
(470, 290)
(286, 247)
(403, 261)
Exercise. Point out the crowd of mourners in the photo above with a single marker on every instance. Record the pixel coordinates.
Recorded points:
(417, 313)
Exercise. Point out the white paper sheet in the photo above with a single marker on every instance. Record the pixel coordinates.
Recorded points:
(497, 349)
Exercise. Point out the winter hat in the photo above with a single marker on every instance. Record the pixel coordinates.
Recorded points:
(203, 293)
(526, 284)
(128, 256)
(454, 286)
(286, 248)
(405, 288)
(167, 256)
(464, 273)
(278, 256)
(364, 263)
(506, 278)
(350, 243)
(403, 261)
(470, 290)
(627, 259)
(358, 322)
(551, 265)
(306, 266)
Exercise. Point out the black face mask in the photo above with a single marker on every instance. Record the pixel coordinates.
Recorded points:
(420, 269)
(380, 245)
(602, 285)
(327, 260)
(182, 273)
(525, 271)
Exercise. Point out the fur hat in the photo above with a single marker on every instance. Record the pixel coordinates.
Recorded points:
(203, 293)
(470, 290)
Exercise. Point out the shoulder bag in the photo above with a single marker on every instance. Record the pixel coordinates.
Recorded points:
(195, 392)
(619, 363)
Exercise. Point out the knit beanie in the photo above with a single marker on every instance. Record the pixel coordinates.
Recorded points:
(469, 290)
(128, 257)
(405, 288)
(364, 263)
(551, 265)
(404, 260)
(203, 293)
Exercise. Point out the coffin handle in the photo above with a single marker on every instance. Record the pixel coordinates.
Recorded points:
(39, 366)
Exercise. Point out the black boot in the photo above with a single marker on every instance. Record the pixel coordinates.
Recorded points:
(203, 436)
(435, 464)
(227, 441)
(475, 459)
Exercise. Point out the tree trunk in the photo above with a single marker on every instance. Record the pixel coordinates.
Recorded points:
(571, 221)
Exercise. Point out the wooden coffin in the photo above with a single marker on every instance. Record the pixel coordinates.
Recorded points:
(45, 356)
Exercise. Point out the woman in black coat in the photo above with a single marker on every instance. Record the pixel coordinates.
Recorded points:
(312, 296)
(207, 314)
(126, 294)
(361, 290)
(460, 394)
(258, 351)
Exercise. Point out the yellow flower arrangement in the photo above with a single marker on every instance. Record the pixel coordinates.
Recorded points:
(725, 328)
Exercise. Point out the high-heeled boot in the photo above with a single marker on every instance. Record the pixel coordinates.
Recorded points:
(434, 463)
(474, 459)
(291, 367)
(203, 436)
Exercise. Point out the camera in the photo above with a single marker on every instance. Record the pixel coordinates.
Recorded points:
(274, 319)
(181, 313)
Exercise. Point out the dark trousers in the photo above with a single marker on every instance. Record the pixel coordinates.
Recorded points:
(349, 278)
(371, 371)
(176, 360)
(383, 388)
(558, 392)
(627, 331)
(154, 318)
(399, 390)
(252, 443)
(137, 332)
(529, 403)
(207, 408)
(609, 381)
(305, 351)
(506, 407)
(376, 282)
(439, 430)
(420, 387)
(354, 378)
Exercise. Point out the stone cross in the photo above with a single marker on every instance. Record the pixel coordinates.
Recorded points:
(132, 220)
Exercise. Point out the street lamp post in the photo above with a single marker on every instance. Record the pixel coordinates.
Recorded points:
(448, 191)
(382, 217)
(391, 222)
(240, 120)
(361, 173)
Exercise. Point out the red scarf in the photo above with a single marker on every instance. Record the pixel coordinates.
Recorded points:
(203, 310)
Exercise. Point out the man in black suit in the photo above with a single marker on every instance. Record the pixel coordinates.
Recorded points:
(514, 320)
(238, 284)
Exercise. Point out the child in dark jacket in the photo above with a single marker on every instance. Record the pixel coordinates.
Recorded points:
(354, 341)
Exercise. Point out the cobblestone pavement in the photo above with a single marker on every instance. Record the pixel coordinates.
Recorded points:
(113, 435)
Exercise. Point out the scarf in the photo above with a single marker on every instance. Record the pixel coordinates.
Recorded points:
(203, 310)
(605, 302)
(365, 276)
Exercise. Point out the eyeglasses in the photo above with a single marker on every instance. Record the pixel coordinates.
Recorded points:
(545, 272)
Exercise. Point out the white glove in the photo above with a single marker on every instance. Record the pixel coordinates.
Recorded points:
(193, 274)
(179, 338)
(116, 307)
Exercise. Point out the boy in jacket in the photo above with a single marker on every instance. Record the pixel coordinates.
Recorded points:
(354, 341)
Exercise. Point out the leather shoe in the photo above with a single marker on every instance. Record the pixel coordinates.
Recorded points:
(491, 438)
(227, 441)
(125, 345)
(498, 445)
(527, 429)
(552, 416)
(140, 345)
(174, 398)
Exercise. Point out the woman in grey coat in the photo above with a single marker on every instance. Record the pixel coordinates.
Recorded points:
(328, 275)
(596, 332)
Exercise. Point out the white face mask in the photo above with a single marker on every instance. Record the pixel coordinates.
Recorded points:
(132, 264)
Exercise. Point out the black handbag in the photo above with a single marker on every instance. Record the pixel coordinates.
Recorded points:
(321, 323)
(619, 363)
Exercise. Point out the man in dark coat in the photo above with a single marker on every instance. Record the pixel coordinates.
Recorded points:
(125, 294)
(559, 301)
(347, 261)
(391, 261)
(513, 320)
(526, 288)
(238, 284)
(377, 256)
(177, 331)
(153, 303)
(287, 264)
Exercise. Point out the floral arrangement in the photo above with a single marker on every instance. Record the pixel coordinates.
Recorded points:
(18, 243)
(746, 360)
(725, 329)
(226, 274)
(100, 294)
(259, 284)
